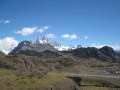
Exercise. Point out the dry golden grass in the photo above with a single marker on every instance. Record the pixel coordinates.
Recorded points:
(14, 82)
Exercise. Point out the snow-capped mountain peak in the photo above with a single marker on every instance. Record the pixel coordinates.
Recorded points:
(55, 44)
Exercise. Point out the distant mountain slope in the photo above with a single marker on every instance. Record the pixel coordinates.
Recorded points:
(27, 45)
(104, 53)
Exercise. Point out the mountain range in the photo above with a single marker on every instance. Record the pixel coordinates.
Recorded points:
(41, 45)
(33, 61)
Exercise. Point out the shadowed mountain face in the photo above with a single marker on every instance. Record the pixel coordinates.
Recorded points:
(105, 53)
(108, 51)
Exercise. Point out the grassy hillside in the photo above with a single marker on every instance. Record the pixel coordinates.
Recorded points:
(50, 71)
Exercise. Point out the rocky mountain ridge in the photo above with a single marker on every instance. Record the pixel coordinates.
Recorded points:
(27, 45)
(41, 45)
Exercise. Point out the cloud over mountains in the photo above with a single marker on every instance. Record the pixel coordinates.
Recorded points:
(8, 44)
(26, 31)
(41, 30)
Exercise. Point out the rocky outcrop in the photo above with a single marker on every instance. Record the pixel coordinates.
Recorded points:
(36, 64)
(4, 62)
(30, 66)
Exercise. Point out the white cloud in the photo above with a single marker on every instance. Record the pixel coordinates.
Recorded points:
(115, 47)
(8, 44)
(50, 35)
(65, 36)
(30, 30)
(46, 27)
(5, 21)
(73, 36)
(41, 30)
(26, 31)
(70, 37)
(86, 37)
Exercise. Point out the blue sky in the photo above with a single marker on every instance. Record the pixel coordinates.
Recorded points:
(94, 22)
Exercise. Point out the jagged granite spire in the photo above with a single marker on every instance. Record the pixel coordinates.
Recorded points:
(37, 41)
(45, 39)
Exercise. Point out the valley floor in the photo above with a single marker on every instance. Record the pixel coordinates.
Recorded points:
(56, 81)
